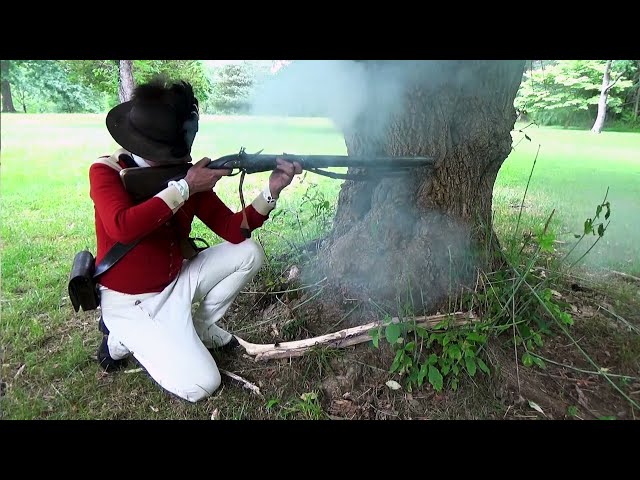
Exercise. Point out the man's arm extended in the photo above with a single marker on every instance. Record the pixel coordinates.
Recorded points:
(215, 214)
(219, 218)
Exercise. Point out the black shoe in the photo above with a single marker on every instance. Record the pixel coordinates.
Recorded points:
(102, 327)
(230, 345)
(105, 361)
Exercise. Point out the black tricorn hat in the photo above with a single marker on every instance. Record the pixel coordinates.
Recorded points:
(159, 123)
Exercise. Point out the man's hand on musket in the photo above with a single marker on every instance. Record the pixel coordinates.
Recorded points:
(202, 179)
(282, 176)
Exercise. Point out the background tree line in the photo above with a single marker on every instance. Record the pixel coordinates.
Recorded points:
(94, 86)
(553, 92)
(567, 92)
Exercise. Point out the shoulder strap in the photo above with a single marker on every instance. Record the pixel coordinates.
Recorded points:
(115, 161)
(118, 251)
(128, 160)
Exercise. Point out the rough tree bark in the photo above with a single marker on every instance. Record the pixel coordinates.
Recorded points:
(424, 234)
(7, 100)
(126, 83)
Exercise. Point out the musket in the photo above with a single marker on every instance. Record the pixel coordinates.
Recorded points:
(143, 182)
(261, 162)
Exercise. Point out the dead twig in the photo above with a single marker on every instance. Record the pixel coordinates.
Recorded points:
(304, 287)
(618, 317)
(245, 383)
(134, 370)
(19, 371)
(603, 372)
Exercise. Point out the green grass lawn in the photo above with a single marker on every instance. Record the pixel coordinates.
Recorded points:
(47, 217)
(573, 170)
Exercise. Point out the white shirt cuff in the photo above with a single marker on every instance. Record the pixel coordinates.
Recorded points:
(264, 202)
(266, 193)
(171, 196)
(183, 188)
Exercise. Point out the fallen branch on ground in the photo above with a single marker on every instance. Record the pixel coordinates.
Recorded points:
(342, 338)
(245, 383)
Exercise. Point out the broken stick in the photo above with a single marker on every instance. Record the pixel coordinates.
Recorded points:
(245, 383)
(342, 338)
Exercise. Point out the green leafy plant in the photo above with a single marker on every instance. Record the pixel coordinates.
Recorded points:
(322, 209)
(591, 227)
(443, 353)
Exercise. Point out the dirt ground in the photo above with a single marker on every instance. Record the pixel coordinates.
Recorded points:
(350, 383)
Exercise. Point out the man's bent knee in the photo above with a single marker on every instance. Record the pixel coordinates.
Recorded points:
(253, 254)
(200, 388)
(193, 379)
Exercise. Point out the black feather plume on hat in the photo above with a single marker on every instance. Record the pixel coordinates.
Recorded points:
(181, 98)
(187, 112)
(153, 91)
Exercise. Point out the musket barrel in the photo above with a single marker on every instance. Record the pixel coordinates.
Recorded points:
(265, 162)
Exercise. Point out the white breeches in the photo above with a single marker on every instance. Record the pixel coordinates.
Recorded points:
(160, 330)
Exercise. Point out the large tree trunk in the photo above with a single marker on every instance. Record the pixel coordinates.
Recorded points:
(424, 235)
(602, 102)
(7, 100)
(126, 83)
